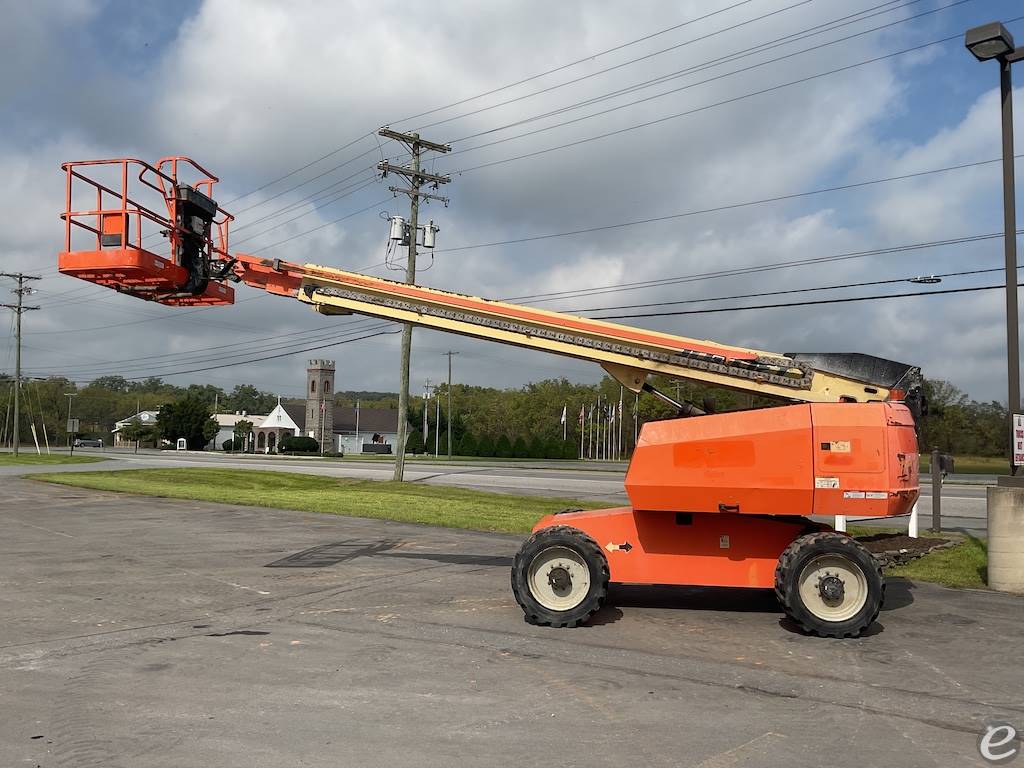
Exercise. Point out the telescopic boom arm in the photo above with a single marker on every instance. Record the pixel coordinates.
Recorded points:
(199, 266)
(626, 353)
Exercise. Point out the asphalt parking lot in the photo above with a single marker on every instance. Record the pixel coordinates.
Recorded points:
(150, 632)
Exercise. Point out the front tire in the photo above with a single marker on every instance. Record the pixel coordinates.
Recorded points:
(829, 584)
(559, 577)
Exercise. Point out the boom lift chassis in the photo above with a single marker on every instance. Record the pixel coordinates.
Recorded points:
(716, 500)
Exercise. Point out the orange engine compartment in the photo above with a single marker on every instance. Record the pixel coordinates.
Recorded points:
(857, 459)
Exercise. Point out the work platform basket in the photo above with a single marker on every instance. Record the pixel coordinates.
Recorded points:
(155, 231)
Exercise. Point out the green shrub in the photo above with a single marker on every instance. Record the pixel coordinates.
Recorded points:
(298, 444)
(503, 448)
(414, 442)
(467, 445)
(485, 446)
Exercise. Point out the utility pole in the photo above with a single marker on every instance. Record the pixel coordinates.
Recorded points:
(71, 435)
(426, 409)
(416, 178)
(449, 354)
(19, 309)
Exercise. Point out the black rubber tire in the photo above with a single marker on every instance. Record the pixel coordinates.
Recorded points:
(787, 579)
(589, 551)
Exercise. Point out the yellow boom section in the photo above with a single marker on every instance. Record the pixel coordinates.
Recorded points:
(628, 354)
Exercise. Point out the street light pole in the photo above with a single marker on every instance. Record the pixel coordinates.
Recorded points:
(993, 41)
(1010, 247)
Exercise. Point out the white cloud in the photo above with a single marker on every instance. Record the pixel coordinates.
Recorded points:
(254, 89)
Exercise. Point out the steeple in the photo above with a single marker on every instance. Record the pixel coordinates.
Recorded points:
(320, 402)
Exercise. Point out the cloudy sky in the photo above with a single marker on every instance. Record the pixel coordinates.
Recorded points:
(564, 117)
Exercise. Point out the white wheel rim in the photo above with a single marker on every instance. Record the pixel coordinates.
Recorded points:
(559, 578)
(830, 567)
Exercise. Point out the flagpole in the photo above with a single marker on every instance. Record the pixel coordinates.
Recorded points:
(636, 420)
(621, 414)
(590, 433)
(582, 417)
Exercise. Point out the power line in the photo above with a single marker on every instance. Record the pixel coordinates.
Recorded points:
(325, 224)
(788, 291)
(362, 186)
(621, 65)
(788, 39)
(539, 298)
(726, 207)
(314, 197)
(198, 356)
(183, 358)
(563, 67)
(179, 357)
(267, 357)
(696, 110)
(804, 303)
(758, 49)
(586, 59)
(302, 168)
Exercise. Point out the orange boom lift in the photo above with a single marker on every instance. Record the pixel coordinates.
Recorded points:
(716, 499)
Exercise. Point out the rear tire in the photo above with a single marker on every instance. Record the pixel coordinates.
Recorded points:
(829, 585)
(559, 577)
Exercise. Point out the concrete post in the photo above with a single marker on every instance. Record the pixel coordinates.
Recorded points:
(1006, 538)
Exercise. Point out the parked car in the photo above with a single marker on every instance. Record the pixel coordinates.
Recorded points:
(85, 442)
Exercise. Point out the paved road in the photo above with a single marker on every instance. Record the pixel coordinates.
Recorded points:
(151, 632)
(963, 506)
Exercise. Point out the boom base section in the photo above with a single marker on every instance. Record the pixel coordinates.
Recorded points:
(686, 549)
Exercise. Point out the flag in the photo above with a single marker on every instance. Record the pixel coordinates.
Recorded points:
(583, 411)
(562, 420)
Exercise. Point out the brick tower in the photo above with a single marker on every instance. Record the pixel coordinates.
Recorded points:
(320, 402)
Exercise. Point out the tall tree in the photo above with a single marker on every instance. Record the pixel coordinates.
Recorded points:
(242, 431)
(247, 398)
(189, 418)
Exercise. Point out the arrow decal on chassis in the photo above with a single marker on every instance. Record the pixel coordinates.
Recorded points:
(624, 547)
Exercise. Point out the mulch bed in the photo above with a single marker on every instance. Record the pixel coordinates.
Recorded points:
(898, 548)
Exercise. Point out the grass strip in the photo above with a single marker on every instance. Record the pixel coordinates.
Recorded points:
(404, 502)
(965, 565)
(29, 459)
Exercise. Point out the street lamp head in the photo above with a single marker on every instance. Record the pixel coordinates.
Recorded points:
(989, 41)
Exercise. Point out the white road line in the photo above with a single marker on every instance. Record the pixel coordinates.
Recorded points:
(41, 528)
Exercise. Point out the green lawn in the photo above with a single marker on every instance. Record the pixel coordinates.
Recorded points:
(972, 465)
(9, 459)
(406, 502)
(964, 565)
